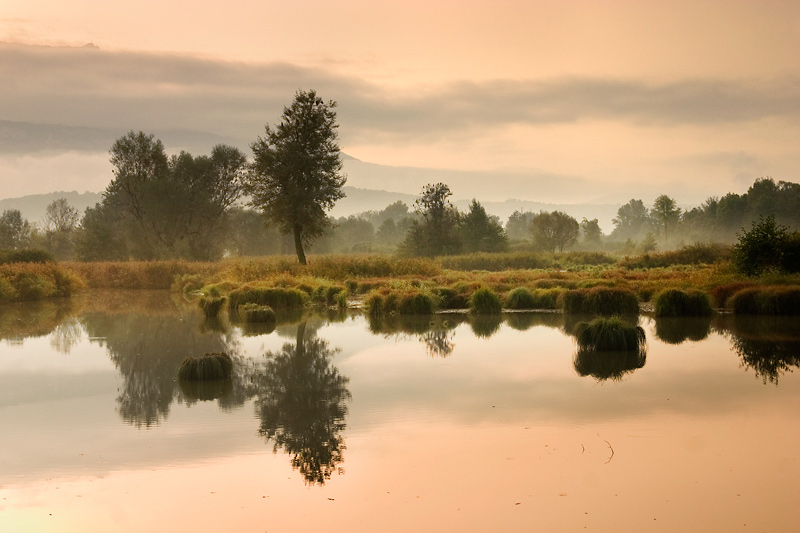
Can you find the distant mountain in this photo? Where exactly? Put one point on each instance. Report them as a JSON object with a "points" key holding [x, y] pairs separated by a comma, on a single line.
{"points": [[32, 207]]}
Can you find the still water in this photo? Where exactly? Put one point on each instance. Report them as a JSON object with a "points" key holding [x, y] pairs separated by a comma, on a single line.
{"points": [[445, 423]]}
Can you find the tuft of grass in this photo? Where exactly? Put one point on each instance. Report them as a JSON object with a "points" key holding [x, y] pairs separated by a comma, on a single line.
{"points": [[252, 312], [206, 366], [520, 298], [211, 305], [720, 294], [485, 301], [771, 300], [275, 297], [675, 302], [600, 301], [609, 334]]}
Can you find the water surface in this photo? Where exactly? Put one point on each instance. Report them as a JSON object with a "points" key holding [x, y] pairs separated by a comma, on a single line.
{"points": [[437, 423]]}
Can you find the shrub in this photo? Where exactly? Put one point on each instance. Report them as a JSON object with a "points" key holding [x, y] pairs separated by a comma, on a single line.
{"points": [[600, 301], [257, 313], [275, 297], [695, 254], [609, 334], [211, 305], [675, 302], [773, 300], [767, 246], [485, 301], [26, 255], [206, 366]]}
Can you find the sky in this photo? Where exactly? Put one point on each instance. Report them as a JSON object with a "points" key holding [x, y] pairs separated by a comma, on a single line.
{"points": [[621, 98]]}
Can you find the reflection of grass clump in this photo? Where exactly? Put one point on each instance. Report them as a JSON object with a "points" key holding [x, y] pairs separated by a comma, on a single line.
{"points": [[206, 366], [205, 390], [257, 313], [675, 330], [608, 365], [600, 301], [485, 301], [609, 334], [484, 326], [211, 305], [675, 302], [773, 300]]}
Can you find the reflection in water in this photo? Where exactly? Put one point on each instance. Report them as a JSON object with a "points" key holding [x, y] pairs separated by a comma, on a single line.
{"points": [[675, 330], [484, 326], [148, 350], [522, 321], [205, 390], [24, 320], [301, 401], [769, 345], [434, 331], [603, 365]]}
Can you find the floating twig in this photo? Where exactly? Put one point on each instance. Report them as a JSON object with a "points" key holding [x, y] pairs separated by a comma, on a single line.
{"points": [[612, 451]]}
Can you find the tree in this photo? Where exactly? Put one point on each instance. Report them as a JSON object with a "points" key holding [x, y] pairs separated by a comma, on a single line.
{"points": [[60, 224], [554, 230], [437, 231], [767, 246], [518, 225], [164, 207], [632, 218], [592, 234], [15, 231], [481, 232], [665, 213], [296, 174]]}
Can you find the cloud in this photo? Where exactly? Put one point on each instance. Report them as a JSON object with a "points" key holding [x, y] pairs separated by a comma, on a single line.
{"points": [[120, 91]]}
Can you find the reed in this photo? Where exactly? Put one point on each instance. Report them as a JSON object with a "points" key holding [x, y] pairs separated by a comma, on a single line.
{"points": [[485, 301], [205, 367], [675, 302], [609, 334], [771, 300], [600, 301]]}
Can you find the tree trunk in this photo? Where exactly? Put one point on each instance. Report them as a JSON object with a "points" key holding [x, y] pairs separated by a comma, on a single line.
{"points": [[298, 245]]}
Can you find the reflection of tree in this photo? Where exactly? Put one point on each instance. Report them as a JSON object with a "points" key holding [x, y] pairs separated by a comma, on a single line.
{"points": [[769, 345], [434, 331], [301, 401], [148, 350], [603, 365], [675, 330]]}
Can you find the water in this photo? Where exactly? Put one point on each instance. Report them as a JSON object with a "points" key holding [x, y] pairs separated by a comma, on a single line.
{"points": [[435, 424]]}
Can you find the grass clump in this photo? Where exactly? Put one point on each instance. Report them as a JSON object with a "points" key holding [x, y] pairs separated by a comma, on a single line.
{"points": [[275, 297], [522, 298], [402, 302], [609, 334], [600, 301], [206, 366], [771, 300], [675, 302], [485, 301], [252, 312], [211, 305], [720, 294]]}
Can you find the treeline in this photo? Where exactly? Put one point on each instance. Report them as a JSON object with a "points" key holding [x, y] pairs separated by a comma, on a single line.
{"points": [[194, 208]]}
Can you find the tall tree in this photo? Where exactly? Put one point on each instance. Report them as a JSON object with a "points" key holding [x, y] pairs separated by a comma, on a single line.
{"points": [[60, 224], [437, 230], [15, 231], [631, 220], [481, 232], [592, 234], [666, 214], [296, 174], [554, 230]]}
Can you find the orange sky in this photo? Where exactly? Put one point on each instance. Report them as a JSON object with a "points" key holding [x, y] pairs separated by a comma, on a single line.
{"points": [[700, 96]]}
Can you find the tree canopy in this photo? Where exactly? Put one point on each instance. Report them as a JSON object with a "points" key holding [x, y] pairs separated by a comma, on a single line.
{"points": [[296, 173], [554, 230]]}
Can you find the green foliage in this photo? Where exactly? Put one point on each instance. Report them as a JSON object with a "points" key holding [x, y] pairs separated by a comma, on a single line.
{"points": [[296, 171], [485, 301], [556, 230], [768, 246], [437, 231], [275, 297], [206, 367], [631, 222], [26, 255], [257, 313], [15, 231], [481, 232], [695, 254], [34, 281], [666, 214], [520, 298], [211, 305], [675, 302], [609, 334], [600, 301], [772, 300]]}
